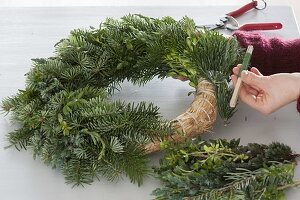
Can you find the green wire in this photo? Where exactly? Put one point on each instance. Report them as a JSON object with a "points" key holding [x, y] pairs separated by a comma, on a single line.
{"points": [[246, 59]]}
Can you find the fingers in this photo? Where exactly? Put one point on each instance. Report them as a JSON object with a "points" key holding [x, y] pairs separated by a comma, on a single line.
{"points": [[234, 79], [236, 70], [253, 87], [252, 79], [250, 99], [246, 87], [255, 71], [257, 102], [251, 90]]}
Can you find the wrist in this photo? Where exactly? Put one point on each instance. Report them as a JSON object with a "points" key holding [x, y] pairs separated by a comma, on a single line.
{"points": [[296, 79]]}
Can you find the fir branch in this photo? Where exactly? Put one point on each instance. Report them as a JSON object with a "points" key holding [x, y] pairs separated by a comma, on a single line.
{"points": [[224, 170], [257, 181]]}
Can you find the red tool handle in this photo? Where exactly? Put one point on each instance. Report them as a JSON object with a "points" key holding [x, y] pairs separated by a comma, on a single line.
{"points": [[243, 9], [260, 26]]}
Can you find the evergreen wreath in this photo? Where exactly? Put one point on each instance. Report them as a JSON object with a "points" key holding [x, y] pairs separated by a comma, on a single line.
{"points": [[66, 115]]}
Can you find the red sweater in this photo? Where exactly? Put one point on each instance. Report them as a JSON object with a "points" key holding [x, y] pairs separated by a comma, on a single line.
{"points": [[272, 55]]}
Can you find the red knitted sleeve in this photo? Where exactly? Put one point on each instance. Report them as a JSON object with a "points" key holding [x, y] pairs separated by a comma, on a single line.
{"points": [[272, 55]]}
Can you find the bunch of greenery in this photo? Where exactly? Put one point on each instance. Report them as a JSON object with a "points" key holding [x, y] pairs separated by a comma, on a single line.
{"points": [[65, 113], [224, 170]]}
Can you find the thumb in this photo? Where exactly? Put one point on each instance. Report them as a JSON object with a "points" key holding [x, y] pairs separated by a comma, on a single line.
{"points": [[251, 78]]}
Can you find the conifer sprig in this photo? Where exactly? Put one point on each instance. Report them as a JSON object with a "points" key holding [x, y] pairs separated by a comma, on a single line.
{"points": [[224, 170]]}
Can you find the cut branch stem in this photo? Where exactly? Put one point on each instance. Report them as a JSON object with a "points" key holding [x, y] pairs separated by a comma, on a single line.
{"points": [[295, 184]]}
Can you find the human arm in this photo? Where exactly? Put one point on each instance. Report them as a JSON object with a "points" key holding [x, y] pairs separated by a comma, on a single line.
{"points": [[267, 93]]}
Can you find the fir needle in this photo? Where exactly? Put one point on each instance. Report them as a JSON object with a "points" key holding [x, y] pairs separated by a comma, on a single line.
{"points": [[245, 64]]}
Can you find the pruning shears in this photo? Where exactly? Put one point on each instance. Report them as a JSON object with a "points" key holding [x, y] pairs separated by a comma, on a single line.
{"points": [[229, 21]]}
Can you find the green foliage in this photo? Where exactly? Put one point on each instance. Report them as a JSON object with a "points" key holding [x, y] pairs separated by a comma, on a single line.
{"points": [[65, 113], [211, 56], [224, 170], [83, 133]]}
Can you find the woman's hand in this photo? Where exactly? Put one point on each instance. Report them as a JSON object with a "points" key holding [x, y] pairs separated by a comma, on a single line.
{"points": [[267, 93]]}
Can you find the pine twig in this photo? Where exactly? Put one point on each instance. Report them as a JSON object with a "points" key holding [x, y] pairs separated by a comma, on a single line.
{"points": [[295, 184]]}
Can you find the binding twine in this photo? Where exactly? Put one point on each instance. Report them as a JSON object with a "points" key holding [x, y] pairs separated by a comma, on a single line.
{"points": [[197, 119]]}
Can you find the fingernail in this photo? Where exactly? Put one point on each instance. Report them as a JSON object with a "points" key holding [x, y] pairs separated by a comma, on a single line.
{"points": [[244, 73]]}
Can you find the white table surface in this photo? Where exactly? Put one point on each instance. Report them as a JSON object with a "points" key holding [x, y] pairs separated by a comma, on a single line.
{"points": [[27, 33]]}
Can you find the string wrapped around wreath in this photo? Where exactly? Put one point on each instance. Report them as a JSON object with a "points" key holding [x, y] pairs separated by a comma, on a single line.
{"points": [[65, 113], [197, 119]]}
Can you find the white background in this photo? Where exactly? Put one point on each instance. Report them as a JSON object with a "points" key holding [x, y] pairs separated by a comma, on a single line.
{"points": [[295, 4], [23, 178]]}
